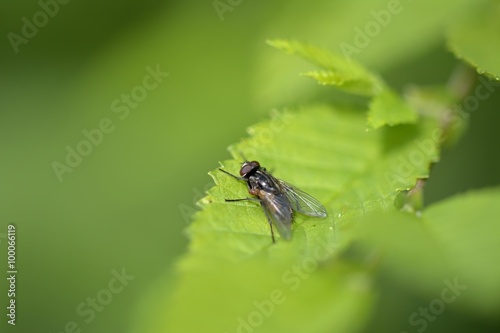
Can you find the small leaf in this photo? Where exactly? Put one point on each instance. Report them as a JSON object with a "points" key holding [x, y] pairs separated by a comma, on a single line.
{"points": [[477, 40], [387, 108], [339, 71]]}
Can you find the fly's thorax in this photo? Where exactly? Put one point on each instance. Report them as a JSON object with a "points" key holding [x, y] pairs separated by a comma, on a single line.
{"points": [[262, 181]]}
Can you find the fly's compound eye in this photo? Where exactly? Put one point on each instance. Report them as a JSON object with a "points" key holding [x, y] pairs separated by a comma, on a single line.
{"points": [[248, 167]]}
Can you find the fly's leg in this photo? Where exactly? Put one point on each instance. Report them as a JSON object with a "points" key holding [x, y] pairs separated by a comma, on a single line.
{"points": [[236, 177], [243, 199], [265, 212]]}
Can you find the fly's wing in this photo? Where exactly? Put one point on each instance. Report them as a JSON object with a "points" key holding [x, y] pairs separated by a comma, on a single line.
{"points": [[278, 212], [302, 202]]}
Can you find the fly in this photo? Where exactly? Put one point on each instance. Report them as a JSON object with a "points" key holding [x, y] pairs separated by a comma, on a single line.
{"points": [[278, 199]]}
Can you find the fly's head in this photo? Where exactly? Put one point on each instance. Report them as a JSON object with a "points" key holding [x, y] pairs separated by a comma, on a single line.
{"points": [[249, 168]]}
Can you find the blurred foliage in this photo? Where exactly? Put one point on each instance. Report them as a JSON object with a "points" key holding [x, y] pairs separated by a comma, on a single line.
{"points": [[479, 52], [126, 204]]}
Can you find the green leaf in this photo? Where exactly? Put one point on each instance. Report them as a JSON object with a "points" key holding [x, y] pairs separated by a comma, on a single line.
{"points": [[468, 231], [476, 41], [338, 71], [456, 239], [388, 108], [232, 264]]}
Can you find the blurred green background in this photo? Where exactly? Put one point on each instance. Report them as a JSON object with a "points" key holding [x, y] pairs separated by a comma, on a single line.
{"points": [[126, 204]]}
